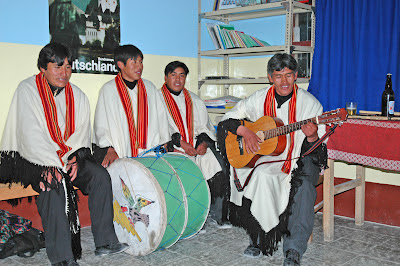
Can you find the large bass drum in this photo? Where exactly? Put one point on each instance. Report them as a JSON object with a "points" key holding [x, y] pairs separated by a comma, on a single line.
{"points": [[196, 189], [157, 201]]}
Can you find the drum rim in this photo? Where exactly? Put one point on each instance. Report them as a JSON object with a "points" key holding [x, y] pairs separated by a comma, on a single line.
{"points": [[163, 204]]}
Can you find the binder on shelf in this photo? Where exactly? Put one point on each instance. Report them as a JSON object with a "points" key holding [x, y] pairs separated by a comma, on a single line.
{"points": [[219, 36], [213, 35], [260, 42], [223, 29]]}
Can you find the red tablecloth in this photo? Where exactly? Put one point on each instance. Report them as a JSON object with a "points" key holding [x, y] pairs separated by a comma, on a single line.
{"points": [[367, 142]]}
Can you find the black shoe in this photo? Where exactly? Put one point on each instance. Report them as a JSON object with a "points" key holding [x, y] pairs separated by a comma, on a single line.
{"points": [[70, 262], [219, 223], [292, 258], [252, 252], [111, 249], [223, 224]]}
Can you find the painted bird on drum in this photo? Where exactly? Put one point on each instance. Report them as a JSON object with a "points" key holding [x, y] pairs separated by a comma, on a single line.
{"points": [[135, 205]]}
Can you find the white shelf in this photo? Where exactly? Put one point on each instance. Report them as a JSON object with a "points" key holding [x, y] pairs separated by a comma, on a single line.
{"points": [[286, 8], [217, 110], [256, 51], [243, 81], [255, 11]]}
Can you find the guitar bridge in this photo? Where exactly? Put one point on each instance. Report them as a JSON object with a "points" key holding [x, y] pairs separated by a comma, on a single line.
{"points": [[240, 143]]}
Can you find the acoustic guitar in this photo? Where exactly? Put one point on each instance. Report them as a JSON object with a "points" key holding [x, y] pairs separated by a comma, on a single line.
{"points": [[273, 133]]}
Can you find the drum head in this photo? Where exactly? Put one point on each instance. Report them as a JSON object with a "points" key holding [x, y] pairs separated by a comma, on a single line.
{"points": [[140, 217]]}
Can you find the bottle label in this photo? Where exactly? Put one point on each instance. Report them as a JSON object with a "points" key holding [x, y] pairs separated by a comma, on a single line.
{"points": [[391, 107]]}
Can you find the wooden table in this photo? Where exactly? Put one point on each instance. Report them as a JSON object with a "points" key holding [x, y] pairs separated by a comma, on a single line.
{"points": [[363, 141]]}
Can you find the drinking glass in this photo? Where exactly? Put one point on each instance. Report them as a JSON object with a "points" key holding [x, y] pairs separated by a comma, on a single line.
{"points": [[351, 108]]}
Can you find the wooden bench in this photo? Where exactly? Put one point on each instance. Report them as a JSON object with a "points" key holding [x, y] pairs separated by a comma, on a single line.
{"points": [[15, 191]]}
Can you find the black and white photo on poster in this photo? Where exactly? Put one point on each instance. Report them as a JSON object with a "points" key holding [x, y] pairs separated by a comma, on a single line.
{"points": [[90, 28]]}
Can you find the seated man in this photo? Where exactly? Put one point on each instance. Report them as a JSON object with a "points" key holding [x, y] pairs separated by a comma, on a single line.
{"points": [[46, 144], [276, 203], [194, 135], [130, 115]]}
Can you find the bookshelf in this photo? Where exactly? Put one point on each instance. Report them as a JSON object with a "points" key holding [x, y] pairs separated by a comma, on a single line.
{"points": [[285, 8]]}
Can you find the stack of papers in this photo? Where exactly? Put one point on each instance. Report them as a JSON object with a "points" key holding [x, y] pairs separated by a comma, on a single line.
{"points": [[215, 103], [222, 102]]}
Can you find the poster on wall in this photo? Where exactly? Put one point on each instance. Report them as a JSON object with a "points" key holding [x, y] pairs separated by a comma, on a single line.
{"points": [[91, 30]]}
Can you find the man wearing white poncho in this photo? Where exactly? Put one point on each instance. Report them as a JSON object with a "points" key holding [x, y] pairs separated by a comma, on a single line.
{"points": [[194, 135], [276, 203], [46, 144], [130, 115]]}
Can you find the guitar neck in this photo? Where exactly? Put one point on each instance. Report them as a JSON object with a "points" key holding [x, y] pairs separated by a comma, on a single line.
{"points": [[286, 129]]}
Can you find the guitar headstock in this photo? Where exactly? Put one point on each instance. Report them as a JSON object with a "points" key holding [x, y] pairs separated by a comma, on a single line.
{"points": [[333, 117]]}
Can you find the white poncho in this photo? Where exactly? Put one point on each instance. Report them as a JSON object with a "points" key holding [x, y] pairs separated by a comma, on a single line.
{"points": [[26, 129], [201, 124], [110, 122], [269, 187]]}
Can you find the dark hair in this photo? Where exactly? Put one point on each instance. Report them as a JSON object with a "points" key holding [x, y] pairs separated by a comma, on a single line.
{"points": [[125, 52], [54, 52], [280, 61], [174, 65]]}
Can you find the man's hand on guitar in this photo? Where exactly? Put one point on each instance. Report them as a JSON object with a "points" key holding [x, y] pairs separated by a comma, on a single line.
{"points": [[251, 141], [189, 149], [310, 130]]}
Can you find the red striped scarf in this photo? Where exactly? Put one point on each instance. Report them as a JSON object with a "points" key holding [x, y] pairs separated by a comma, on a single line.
{"points": [[50, 112], [270, 110], [176, 114], [138, 137]]}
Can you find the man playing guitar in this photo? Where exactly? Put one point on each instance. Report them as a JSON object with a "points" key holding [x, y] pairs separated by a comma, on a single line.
{"points": [[279, 198]]}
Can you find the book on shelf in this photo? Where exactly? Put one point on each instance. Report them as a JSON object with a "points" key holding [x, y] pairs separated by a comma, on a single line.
{"points": [[224, 36], [222, 29], [213, 34]]}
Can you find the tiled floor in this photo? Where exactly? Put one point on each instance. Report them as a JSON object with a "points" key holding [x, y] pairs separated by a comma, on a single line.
{"points": [[370, 244]]}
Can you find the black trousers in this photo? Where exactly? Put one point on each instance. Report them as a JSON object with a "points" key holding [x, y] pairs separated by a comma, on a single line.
{"points": [[219, 190], [301, 220], [92, 180]]}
